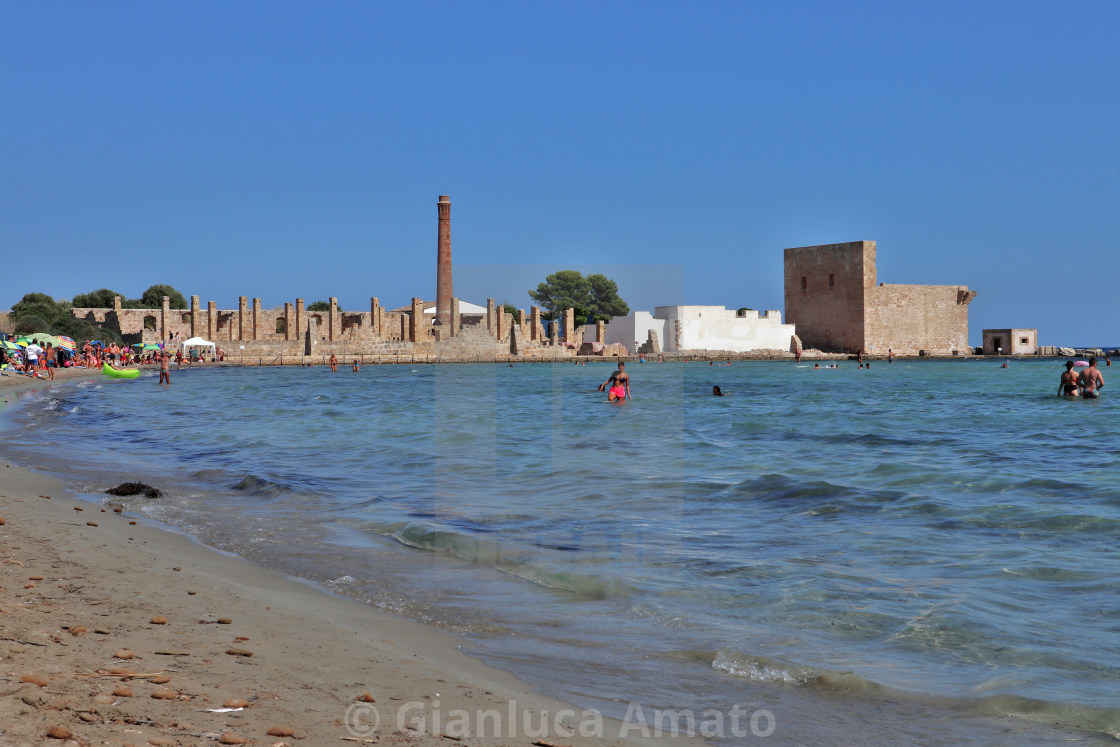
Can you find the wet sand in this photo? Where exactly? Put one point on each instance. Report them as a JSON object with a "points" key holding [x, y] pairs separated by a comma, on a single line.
{"points": [[116, 633]]}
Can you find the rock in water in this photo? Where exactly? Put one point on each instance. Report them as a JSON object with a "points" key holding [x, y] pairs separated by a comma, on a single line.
{"points": [[134, 488]]}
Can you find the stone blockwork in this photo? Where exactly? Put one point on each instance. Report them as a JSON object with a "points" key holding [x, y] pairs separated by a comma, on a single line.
{"points": [[832, 298], [284, 334]]}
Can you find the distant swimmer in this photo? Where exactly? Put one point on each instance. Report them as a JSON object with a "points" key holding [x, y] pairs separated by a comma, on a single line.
{"points": [[333, 362], [1068, 384], [1005, 365], [717, 392], [357, 366], [619, 383], [1091, 381], [816, 366]]}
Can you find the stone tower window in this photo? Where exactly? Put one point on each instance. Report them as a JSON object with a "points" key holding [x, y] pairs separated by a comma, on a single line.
{"points": [[150, 322], [831, 280], [804, 282], [185, 318], [281, 326]]}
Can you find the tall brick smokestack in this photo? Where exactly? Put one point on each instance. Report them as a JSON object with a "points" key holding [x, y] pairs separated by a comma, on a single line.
{"points": [[443, 264]]}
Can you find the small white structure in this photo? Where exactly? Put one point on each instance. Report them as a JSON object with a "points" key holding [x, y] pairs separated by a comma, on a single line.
{"points": [[198, 342], [702, 328]]}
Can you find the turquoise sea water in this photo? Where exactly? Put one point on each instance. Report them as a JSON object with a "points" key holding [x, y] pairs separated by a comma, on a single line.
{"points": [[853, 550]]}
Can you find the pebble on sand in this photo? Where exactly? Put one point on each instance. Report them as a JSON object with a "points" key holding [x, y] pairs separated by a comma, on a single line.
{"points": [[91, 523], [122, 691], [2, 522], [159, 620], [230, 738], [123, 653], [224, 621], [165, 693], [238, 652], [236, 703], [365, 698], [59, 732], [34, 679], [281, 731], [159, 679]]}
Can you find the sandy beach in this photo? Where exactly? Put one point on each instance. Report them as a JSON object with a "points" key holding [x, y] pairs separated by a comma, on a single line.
{"points": [[113, 632]]}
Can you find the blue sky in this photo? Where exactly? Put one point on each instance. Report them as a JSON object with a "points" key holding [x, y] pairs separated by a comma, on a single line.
{"points": [[281, 149]]}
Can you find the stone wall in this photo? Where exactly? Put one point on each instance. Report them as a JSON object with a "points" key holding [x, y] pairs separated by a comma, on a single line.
{"points": [[255, 335], [825, 287], [833, 300], [909, 319]]}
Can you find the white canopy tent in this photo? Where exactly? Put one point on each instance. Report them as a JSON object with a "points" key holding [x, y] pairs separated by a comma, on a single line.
{"points": [[198, 342]]}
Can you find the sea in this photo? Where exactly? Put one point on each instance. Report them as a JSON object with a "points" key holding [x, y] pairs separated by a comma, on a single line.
{"points": [[920, 552]]}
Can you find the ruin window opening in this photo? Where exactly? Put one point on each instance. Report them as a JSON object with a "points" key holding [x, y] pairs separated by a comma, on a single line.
{"points": [[804, 282], [1023, 341], [185, 318], [150, 323], [281, 326], [831, 280]]}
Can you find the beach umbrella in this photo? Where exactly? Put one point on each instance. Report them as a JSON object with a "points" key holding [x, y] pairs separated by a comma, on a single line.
{"points": [[9, 345], [67, 343], [97, 343], [152, 346]]}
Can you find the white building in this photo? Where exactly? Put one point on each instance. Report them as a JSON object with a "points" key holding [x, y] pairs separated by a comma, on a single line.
{"points": [[702, 328]]}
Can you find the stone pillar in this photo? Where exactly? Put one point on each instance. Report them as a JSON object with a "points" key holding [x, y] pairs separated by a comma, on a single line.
{"points": [[374, 317], [569, 325], [256, 319], [535, 323], [165, 314], [299, 319], [600, 331], [443, 263], [417, 329], [117, 308], [455, 317], [490, 315], [404, 328], [502, 322], [242, 312], [332, 319], [523, 323], [211, 321], [287, 321], [194, 316], [553, 333]]}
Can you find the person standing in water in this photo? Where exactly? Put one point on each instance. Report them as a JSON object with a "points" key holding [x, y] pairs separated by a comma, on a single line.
{"points": [[1091, 381], [333, 362], [165, 369], [1068, 384], [619, 384]]}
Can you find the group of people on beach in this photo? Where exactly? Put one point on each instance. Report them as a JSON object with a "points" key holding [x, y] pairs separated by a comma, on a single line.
{"points": [[1086, 383]]}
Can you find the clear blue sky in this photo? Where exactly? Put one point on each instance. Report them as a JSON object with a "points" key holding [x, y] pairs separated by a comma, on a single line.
{"points": [[281, 149]]}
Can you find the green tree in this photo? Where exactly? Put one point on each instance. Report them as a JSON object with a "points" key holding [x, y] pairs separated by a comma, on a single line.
{"points": [[153, 297], [512, 311], [593, 297], [39, 305], [605, 301], [98, 299], [319, 306], [565, 289]]}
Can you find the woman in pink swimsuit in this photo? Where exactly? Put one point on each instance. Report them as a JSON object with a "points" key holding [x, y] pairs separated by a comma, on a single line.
{"points": [[619, 383]]}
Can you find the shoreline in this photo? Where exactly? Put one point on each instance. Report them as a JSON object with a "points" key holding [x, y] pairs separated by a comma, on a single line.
{"points": [[82, 587], [291, 630]]}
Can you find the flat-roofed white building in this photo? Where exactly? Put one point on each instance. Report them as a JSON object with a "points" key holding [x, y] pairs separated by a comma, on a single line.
{"points": [[702, 328]]}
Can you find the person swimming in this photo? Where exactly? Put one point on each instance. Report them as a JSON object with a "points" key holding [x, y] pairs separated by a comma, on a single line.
{"points": [[717, 392], [1068, 384]]}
